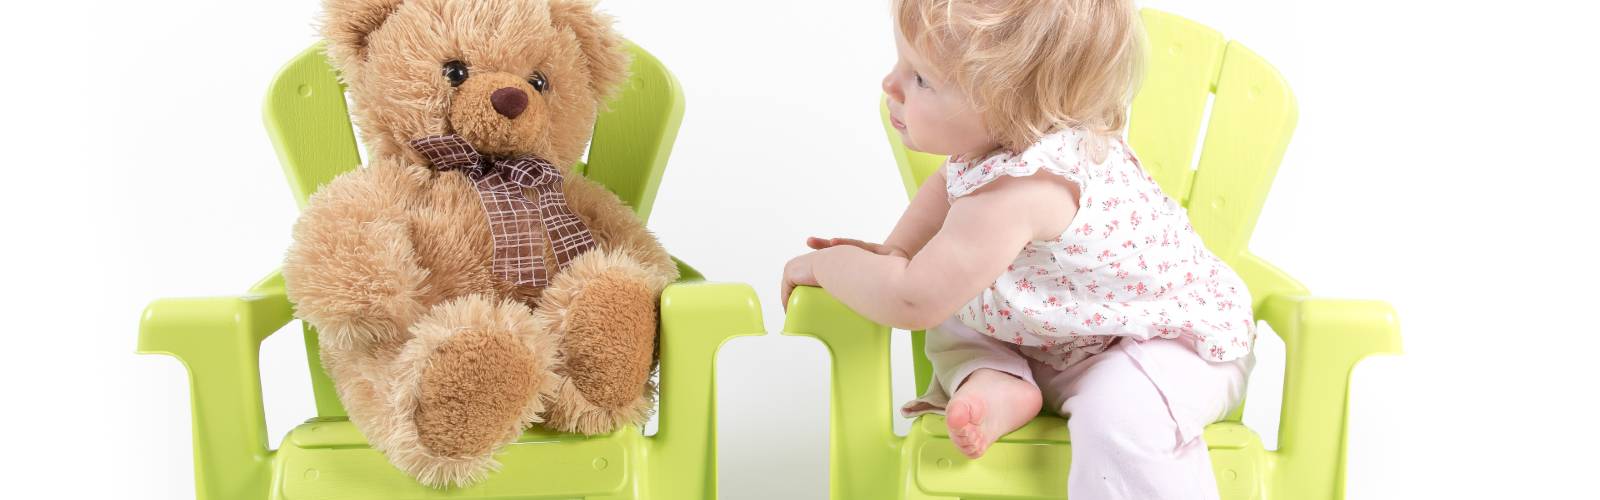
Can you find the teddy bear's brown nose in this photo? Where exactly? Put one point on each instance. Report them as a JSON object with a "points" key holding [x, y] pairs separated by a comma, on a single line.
{"points": [[509, 102]]}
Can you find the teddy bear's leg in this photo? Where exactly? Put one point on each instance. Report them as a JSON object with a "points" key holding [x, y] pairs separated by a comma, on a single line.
{"points": [[472, 377], [603, 309]]}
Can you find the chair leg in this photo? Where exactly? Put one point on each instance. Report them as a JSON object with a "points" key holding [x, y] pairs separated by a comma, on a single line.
{"points": [[864, 451], [696, 319]]}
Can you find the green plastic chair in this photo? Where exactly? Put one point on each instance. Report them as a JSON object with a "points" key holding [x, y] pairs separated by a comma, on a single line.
{"points": [[218, 339], [1252, 117]]}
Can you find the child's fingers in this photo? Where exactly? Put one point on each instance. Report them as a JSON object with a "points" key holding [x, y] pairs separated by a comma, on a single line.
{"points": [[788, 290], [870, 247], [796, 273], [783, 291], [819, 243], [876, 248]]}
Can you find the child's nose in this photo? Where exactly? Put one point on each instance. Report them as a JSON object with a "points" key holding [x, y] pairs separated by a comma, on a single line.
{"points": [[891, 88]]}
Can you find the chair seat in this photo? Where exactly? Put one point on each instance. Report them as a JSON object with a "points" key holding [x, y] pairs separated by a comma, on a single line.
{"points": [[1053, 430], [330, 458], [1032, 462]]}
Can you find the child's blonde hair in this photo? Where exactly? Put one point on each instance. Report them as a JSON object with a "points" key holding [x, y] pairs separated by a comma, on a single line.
{"points": [[1032, 67]]}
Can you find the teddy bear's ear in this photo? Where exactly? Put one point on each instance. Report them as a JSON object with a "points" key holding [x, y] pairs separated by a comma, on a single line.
{"points": [[346, 24], [601, 46]]}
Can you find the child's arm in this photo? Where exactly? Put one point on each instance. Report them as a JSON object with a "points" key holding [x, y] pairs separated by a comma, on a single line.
{"points": [[979, 237], [923, 218]]}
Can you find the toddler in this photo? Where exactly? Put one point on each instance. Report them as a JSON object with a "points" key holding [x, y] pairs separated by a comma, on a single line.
{"points": [[1048, 268]]}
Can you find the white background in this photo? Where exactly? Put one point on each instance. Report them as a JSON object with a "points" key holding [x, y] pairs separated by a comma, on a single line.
{"points": [[1441, 163]]}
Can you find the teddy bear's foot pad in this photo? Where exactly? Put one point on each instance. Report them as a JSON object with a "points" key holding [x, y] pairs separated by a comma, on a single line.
{"points": [[603, 309], [474, 393]]}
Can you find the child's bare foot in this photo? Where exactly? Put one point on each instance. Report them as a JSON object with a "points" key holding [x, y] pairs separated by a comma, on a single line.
{"points": [[989, 404]]}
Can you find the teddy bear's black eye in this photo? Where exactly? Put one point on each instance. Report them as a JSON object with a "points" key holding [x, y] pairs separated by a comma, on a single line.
{"points": [[538, 82], [456, 72]]}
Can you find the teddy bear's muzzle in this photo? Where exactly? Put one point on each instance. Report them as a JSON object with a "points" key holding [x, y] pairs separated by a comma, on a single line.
{"points": [[498, 113]]}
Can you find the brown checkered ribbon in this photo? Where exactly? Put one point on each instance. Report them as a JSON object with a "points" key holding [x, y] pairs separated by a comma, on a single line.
{"points": [[514, 219]]}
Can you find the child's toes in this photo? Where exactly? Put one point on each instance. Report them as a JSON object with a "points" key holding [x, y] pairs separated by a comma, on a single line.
{"points": [[956, 416], [964, 419], [964, 414], [973, 449]]}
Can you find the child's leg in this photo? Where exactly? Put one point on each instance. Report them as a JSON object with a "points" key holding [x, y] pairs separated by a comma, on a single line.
{"points": [[1136, 414], [988, 405], [995, 393]]}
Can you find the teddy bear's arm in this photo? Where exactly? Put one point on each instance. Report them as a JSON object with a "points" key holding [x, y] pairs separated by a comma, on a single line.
{"points": [[351, 270]]}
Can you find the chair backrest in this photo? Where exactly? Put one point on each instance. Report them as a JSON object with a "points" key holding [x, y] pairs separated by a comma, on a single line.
{"points": [[310, 128], [1252, 115]]}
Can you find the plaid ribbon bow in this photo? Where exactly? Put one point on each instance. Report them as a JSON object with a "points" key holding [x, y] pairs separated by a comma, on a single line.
{"points": [[514, 219]]}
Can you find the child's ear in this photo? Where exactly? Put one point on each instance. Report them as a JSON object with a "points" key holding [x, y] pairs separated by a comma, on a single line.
{"points": [[346, 24], [601, 46]]}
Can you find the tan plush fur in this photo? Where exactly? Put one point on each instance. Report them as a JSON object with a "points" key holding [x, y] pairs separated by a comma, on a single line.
{"points": [[438, 360], [597, 291]]}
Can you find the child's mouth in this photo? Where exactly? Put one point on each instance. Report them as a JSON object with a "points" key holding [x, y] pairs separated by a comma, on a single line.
{"points": [[898, 125]]}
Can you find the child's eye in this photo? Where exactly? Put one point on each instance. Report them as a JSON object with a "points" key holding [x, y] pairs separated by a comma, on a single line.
{"points": [[921, 83]]}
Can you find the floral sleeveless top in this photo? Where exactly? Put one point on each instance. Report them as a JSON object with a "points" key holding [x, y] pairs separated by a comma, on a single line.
{"points": [[1129, 265]]}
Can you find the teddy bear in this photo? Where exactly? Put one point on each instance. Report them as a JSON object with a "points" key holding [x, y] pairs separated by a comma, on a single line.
{"points": [[466, 283]]}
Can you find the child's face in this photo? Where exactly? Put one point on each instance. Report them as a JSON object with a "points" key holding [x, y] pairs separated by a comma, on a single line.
{"points": [[932, 116]]}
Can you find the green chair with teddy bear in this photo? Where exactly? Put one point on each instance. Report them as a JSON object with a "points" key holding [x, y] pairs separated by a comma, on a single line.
{"points": [[218, 339], [1252, 116]]}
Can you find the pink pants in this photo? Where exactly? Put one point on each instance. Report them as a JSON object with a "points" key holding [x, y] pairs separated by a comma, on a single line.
{"points": [[1136, 411]]}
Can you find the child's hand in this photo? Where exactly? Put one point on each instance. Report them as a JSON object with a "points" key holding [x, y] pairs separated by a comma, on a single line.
{"points": [[880, 249], [797, 273]]}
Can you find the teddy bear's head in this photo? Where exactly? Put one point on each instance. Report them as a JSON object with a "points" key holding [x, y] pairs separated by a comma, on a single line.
{"points": [[512, 77]]}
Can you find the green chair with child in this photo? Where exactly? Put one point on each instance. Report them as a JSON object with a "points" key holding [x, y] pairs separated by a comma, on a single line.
{"points": [[1196, 81]]}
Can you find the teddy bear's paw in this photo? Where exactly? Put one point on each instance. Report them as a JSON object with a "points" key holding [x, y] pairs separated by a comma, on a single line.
{"points": [[474, 375], [603, 308], [355, 278], [474, 393], [482, 384]]}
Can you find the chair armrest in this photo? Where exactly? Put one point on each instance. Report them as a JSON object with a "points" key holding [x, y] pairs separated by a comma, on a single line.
{"points": [[863, 446], [686, 272], [1323, 340], [696, 319], [218, 340]]}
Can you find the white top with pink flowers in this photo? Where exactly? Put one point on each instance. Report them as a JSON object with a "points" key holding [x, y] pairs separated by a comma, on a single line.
{"points": [[1129, 265]]}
